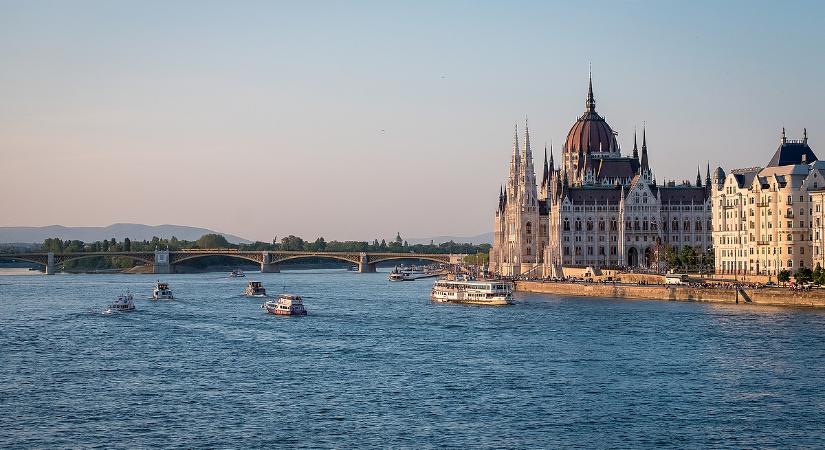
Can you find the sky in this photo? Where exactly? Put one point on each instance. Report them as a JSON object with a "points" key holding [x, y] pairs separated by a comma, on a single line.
{"points": [[357, 120]]}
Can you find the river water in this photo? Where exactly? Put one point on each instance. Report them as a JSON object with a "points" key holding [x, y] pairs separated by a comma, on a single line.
{"points": [[375, 364]]}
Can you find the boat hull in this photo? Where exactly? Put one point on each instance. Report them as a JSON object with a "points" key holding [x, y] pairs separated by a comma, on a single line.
{"points": [[490, 302], [281, 312]]}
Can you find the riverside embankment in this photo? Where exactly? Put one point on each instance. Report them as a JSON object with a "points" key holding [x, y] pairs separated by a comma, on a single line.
{"points": [[761, 296]]}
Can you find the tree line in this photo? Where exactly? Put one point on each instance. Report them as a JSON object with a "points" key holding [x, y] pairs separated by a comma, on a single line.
{"points": [[217, 241]]}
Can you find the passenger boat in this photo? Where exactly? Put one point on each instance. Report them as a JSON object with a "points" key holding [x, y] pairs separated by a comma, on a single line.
{"points": [[237, 273], [397, 275], [162, 292], [493, 293], [286, 305], [123, 303], [254, 289]]}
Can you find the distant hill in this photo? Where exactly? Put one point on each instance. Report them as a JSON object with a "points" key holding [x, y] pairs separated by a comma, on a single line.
{"points": [[486, 238], [134, 231]]}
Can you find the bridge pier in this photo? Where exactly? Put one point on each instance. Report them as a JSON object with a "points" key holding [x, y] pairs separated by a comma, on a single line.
{"points": [[270, 268], [50, 267], [162, 263], [364, 266]]}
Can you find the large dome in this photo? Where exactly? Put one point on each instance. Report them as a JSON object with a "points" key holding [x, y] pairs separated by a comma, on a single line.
{"points": [[590, 133]]}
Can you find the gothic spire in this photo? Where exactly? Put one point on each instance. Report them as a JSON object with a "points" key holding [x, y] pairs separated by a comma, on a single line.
{"points": [[644, 164], [635, 146], [707, 176], [552, 165], [698, 177], [804, 135], [783, 135], [545, 173], [591, 102]]}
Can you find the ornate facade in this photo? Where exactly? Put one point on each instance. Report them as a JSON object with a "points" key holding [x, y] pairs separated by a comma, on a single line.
{"points": [[770, 219], [598, 208]]}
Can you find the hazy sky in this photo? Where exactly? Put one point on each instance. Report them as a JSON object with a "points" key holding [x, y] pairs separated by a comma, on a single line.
{"points": [[358, 120]]}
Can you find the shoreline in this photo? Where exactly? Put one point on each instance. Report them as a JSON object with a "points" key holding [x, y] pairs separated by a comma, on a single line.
{"points": [[751, 296]]}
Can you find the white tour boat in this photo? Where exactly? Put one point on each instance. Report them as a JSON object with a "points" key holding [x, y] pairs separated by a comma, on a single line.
{"points": [[123, 303], [286, 305], [494, 293], [162, 292], [398, 275], [236, 273], [254, 289]]}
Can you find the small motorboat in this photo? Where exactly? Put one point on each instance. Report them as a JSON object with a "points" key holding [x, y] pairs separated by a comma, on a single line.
{"points": [[286, 305], [237, 273], [162, 292], [254, 289], [123, 303]]}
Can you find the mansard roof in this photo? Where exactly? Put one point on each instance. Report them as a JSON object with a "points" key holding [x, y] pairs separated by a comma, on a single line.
{"points": [[682, 194], [792, 152], [595, 194], [624, 167]]}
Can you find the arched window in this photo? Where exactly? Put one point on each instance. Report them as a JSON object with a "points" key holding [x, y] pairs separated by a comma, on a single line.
{"points": [[613, 225], [686, 226], [601, 224], [644, 225], [578, 225], [589, 225], [529, 228], [675, 225], [566, 225], [698, 225], [636, 224]]}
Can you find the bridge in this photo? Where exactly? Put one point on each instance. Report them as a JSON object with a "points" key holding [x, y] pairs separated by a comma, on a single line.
{"points": [[163, 261]]}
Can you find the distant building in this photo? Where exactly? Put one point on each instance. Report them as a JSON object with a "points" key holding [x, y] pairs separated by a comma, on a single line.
{"points": [[599, 208], [769, 219]]}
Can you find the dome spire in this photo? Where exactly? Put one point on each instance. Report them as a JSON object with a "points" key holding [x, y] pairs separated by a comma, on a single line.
{"points": [[591, 102]]}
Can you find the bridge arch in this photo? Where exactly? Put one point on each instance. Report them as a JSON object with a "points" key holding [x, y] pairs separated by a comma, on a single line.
{"points": [[277, 259], [35, 260], [437, 258], [252, 258], [62, 261]]}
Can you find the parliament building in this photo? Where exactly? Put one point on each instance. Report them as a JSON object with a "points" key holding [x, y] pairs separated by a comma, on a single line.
{"points": [[598, 208]]}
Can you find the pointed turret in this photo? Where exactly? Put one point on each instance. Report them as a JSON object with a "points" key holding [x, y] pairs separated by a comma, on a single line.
{"points": [[644, 167], [545, 173], [783, 139], [552, 164], [527, 176], [707, 176], [804, 135], [635, 146], [515, 164], [698, 177]]}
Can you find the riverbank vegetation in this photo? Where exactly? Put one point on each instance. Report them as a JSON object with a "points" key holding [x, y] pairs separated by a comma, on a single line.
{"points": [[217, 241]]}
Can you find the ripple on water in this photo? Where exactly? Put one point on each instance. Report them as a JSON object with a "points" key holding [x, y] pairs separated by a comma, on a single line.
{"points": [[376, 364]]}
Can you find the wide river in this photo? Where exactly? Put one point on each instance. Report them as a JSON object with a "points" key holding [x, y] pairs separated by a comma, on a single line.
{"points": [[375, 364]]}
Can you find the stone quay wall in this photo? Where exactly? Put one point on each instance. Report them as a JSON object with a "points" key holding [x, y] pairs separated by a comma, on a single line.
{"points": [[764, 296]]}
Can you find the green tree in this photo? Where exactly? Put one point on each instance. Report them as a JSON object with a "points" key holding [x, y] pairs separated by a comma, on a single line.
{"points": [[127, 245], [672, 257], [784, 276], [212, 240], [292, 243], [803, 275]]}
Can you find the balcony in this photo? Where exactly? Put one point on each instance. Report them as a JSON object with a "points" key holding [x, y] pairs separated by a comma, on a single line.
{"points": [[762, 204], [763, 243]]}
